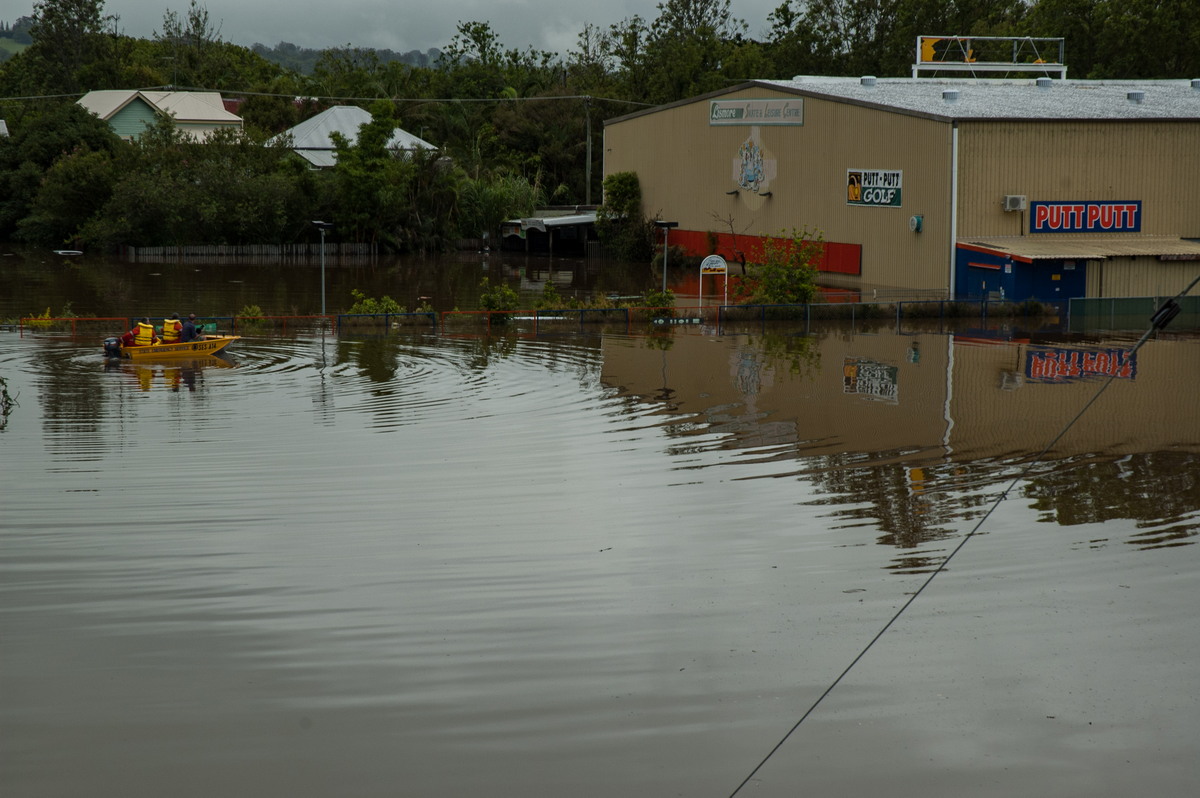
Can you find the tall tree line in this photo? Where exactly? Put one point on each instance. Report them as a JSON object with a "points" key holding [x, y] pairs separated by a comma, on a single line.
{"points": [[514, 124]]}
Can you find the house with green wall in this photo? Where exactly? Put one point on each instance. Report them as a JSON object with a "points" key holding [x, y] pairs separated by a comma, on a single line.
{"points": [[129, 112]]}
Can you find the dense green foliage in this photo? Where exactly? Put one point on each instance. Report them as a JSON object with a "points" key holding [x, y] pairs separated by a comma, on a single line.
{"points": [[514, 128], [788, 272], [620, 223]]}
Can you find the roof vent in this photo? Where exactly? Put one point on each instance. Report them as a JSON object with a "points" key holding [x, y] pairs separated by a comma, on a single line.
{"points": [[950, 95], [1044, 83], [867, 80], [1135, 97], [1195, 84]]}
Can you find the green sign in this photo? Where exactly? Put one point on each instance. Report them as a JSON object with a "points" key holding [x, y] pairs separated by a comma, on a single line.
{"points": [[881, 188]]}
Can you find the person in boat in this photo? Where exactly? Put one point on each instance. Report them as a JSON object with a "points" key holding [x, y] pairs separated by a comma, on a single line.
{"points": [[171, 328], [191, 331], [143, 333]]}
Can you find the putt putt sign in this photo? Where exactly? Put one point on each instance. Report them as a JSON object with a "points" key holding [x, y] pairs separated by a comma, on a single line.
{"points": [[880, 188]]}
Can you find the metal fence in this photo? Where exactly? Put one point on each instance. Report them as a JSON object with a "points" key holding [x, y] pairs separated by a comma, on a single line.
{"points": [[1129, 313]]}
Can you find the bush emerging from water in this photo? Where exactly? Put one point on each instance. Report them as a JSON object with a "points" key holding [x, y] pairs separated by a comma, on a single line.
{"points": [[370, 306]]}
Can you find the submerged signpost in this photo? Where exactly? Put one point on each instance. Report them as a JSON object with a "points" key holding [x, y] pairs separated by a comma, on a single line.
{"points": [[714, 264]]}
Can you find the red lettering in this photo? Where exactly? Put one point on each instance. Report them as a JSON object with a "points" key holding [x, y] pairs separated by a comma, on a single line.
{"points": [[1126, 366], [1040, 216], [1093, 215]]}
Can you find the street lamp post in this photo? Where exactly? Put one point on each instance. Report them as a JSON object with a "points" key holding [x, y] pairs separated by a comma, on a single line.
{"points": [[323, 226], [666, 228]]}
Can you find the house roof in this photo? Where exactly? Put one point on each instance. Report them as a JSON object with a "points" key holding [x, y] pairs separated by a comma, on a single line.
{"points": [[953, 99], [313, 140], [183, 106], [3, 128]]}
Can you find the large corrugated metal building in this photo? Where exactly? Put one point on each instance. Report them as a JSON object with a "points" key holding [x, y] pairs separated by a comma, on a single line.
{"points": [[961, 188]]}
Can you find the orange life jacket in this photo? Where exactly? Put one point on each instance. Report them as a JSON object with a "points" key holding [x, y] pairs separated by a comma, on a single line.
{"points": [[171, 330], [145, 334]]}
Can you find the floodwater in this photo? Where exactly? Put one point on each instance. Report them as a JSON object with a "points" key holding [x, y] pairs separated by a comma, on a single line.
{"points": [[595, 562]]}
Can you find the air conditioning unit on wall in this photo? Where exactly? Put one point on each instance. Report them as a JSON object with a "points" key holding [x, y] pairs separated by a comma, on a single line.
{"points": [[1015, 202]]}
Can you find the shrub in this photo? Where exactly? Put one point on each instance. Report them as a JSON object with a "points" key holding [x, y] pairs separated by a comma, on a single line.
{"points": [[787, 274], [368, 306], [498, 297]]}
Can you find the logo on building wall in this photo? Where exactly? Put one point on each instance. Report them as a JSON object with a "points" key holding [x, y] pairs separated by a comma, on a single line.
{"points": [[1085, 217], [753, 168], [881, 188]]}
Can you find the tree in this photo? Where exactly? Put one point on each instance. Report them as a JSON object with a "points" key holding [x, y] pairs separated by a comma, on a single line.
{"points": [[33, 147], [787, 274], [72, 45], [620, 225]]}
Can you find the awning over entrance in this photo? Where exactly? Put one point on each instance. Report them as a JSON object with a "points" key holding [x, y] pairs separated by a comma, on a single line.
{"points": [[550, 231], [1028, 249]]}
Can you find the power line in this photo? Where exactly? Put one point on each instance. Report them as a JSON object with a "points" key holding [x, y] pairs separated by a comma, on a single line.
{"points": [[1167, 311]]}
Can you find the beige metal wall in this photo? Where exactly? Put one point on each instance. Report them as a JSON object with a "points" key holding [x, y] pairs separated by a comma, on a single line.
{"points": [[686, 167], [1155, 162], [1123, 277]]}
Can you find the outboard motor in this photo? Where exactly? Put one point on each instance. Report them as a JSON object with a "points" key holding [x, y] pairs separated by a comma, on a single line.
{"points": [[112, 347]]}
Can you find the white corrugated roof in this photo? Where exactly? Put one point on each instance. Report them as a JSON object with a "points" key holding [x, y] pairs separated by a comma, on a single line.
{"points": [[313, 138], [192, 106], [184, 106], [1009, 99]]}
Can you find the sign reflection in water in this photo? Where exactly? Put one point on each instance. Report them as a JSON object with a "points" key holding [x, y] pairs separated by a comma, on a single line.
{"points": [[596, 564]]}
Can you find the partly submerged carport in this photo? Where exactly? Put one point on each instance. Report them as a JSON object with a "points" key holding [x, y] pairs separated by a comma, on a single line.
{"points": [[553, 231], [1020, 267]]}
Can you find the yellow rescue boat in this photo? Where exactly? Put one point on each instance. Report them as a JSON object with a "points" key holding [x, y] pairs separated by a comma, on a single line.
{"points": [[208, 345]]}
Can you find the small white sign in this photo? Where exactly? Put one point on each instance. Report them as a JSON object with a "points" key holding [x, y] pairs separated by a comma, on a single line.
{"points": [[713, 264]]}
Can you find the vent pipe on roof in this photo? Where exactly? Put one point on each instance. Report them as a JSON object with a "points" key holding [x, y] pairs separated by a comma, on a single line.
{"points": [[1044, 83], [950, 95], [867, 80], [1195, 84], [1135, 97]]}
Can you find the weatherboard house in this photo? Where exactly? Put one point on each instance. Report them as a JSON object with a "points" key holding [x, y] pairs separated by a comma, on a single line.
{"points": [[1030, 188], [129, 112], [312, 139]]}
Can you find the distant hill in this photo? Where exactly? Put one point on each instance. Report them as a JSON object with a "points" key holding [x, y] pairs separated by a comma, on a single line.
{"points": [[302, 59], [14, 37]]}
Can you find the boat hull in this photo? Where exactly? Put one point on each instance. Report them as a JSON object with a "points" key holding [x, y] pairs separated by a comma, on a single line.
{"points": [[211, 345]]}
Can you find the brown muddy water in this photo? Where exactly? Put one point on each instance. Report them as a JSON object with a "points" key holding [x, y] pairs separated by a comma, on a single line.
{"points": [[616, 561]]}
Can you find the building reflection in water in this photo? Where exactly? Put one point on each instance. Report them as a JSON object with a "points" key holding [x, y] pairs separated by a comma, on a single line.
{"points": [[915, 433]]}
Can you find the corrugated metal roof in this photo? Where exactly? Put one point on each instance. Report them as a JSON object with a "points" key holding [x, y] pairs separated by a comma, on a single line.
{"points": [[1031, 248], [1008, 99], [313, 138], [192, 106], [184, 106], [547, 219]]}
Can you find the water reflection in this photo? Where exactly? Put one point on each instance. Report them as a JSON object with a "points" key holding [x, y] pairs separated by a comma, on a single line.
{"points": [[914, 433], [593, 564], [173, 374]]}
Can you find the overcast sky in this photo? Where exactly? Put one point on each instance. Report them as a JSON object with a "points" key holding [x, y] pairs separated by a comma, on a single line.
{"points": [[399, 25]]}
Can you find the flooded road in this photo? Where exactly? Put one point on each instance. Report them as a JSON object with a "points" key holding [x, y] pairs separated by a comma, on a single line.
{"points": [[610, 562]]}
